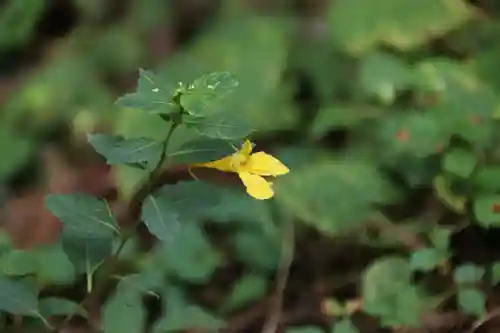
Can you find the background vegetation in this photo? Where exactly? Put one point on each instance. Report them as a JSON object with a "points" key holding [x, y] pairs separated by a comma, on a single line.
{"points": [[385, 111]]}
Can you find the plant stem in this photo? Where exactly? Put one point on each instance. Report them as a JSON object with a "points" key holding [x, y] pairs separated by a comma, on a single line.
{"points": [[112, 262]]}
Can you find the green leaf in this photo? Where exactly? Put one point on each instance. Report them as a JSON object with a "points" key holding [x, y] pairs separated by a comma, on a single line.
{"points": [[17, 298], [182, 315], [257, 249], [250, 287], [160, 217], [411, 133], [361, 24], [82, 215], [486, 210], [124, 313], [427, 259], [15, 150], [202, 150], [345, 326], [118, 150], [86, 254], [487, 179], [383, 75], [224, 125], [167, 208], [153, 95], [54, 306], [442, 188], [472, 301], [495, 273], [146, 281], [334, 195], [204, 96], [18, 262], [468, 274], [459, 162], [53, 265], [189, 255], [440, 237]]}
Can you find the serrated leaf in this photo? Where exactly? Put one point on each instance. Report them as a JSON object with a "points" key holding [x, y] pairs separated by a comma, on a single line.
{"points": [[468, 274], [334, 195], [183, 315], [124, 313], [345, 326], [152, 95], [487, 210], [118, 150], [360, 24], [202, 150], [54, 306], [82, 215], [204, 95], [427, 259], [224, 125], [17, 298], [459, 162], [472, 301]]}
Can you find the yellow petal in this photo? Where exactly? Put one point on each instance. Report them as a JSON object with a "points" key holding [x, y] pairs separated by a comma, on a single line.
{"points": [[224, 164], [257, 187], [265, 165], [246, 148]]}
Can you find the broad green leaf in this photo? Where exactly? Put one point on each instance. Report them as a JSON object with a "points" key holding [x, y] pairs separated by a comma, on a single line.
{"points": [[250, 287], [344, 326], [124, 313], [167, 208], [189, 255], [54, 306], [53, 265], [224, 125], [146, 281], [487, 179], [413, 133], [338, 117], [361, 24], [17, 297], [487, 210], [384, 75], [18, 262], [160, 217], [382, 281], [183, 315], [334, 195], [201, 150], [495, 273], [118, 150], [472, 301], [427, 259], [440, 237], [468, 274], [204, 96], [459, 162], [86, 254], [153, 95], [82, 215], [442, 188]]}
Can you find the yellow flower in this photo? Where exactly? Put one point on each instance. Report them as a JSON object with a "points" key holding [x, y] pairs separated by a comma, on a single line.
{"points": [[250, 168]]}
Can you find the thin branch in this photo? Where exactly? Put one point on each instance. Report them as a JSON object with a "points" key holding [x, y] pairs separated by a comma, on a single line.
{"points": [[287, 255]]}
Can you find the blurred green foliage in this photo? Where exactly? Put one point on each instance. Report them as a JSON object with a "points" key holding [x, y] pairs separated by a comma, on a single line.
{"points": [[411, 88]]}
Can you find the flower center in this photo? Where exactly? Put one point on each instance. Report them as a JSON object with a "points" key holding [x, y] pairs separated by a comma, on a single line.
{"points": [[239, 160]]}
